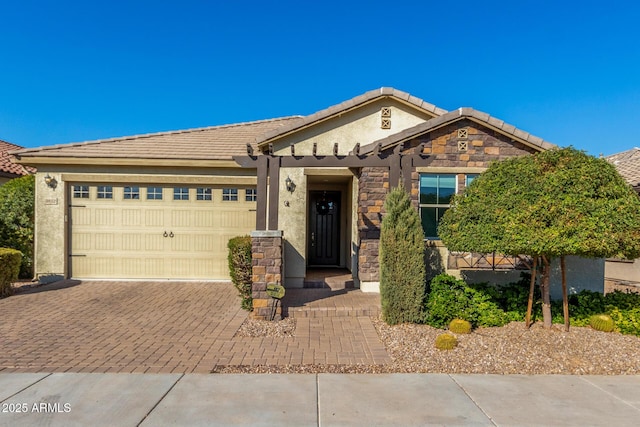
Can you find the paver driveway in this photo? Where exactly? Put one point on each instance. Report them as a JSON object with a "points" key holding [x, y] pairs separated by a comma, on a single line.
{"points": [[103, 326]]}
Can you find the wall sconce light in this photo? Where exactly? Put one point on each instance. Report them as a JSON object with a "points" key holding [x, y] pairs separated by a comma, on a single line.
{"points": [[291, 186], [50, 181]]}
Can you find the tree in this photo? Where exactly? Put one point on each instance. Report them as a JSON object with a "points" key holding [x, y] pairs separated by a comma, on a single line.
{"points": [[402, 268], [549, 205], [16, 219]]}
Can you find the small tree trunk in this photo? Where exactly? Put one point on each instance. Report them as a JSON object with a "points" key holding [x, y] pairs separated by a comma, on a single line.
{"points": [[534, 270], [544, 289], [565, 300]]}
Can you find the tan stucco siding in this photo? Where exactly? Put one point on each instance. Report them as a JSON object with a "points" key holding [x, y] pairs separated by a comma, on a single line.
{"points": [[362, 126]]}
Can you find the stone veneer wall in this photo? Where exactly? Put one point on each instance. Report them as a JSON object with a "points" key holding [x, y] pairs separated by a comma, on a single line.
{"points": [[267, 263], [483, 147], [373, 187]]}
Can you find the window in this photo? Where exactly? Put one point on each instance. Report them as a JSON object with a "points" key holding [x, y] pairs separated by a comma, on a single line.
{"points": [[131, 193], [230, 194], [251, 195], [80, 191], [181, 193], [436, 191], [154, 193], [203, 194], [469, 179], [105, 192]]}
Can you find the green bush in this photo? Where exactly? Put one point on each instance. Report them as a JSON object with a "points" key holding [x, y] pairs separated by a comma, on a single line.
{"points": [[16, 220], [10, 260], [627, 321], [240, 268], [402, 267], [451, 298]]}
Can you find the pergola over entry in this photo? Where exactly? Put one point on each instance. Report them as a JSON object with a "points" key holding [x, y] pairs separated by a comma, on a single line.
{"points": [[399, 164]]}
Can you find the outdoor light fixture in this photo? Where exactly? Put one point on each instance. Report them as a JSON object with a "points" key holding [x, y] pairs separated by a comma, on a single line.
{"points": [[290, 185], [50, 181]]}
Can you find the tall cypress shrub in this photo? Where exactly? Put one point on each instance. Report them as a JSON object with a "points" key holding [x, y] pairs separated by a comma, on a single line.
{"points": [[402, 269]]}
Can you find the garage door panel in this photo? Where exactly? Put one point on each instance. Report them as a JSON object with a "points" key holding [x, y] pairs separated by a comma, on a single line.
{"points": [[125, 238]]}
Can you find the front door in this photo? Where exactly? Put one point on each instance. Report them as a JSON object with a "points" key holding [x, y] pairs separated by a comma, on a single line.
{"points": [[324, 228]]}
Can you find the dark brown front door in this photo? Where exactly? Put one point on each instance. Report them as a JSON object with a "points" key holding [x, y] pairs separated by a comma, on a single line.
{"points": [[324, 228]]}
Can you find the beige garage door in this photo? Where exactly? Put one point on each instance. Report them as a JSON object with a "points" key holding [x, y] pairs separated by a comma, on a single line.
{"points": [[156, 232]]}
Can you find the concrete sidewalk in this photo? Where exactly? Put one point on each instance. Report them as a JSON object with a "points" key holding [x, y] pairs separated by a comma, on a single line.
{"points": [[78, 399]]}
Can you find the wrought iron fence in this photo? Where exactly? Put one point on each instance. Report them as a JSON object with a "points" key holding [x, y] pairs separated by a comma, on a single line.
{"points": [[491, 261]]}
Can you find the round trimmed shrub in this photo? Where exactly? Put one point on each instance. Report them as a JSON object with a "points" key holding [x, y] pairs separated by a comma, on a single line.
{"points": [[460, 326], [602, 322], [446, 342]]}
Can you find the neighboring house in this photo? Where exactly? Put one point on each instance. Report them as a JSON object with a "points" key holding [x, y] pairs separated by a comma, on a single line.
{"points": [[309, 189], [620, 271], [8, 169]]}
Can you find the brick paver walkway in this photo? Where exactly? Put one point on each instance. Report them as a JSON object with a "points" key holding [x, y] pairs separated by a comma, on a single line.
{"points": [[164, 327]]}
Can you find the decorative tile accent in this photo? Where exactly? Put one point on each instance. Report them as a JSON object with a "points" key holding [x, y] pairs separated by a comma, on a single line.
{"points": [[386, 124], [463, 145], [385, 112], [463, 133]]}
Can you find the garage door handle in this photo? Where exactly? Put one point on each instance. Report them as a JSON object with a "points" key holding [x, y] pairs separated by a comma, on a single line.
{"points": [[165, 234], [171, 234]]}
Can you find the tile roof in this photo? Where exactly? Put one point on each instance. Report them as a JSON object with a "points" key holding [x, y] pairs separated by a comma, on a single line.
{"points": [[348, 105], [628, 165], [209, 143], [7, 167], [460, 113]]}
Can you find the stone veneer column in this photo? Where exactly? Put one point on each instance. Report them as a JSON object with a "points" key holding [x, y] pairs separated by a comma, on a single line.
{"points": [[267, 253]]}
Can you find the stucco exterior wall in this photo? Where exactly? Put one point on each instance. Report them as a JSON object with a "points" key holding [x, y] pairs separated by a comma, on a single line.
{"points": [[292, 220], [362, 125], [622, 271]]}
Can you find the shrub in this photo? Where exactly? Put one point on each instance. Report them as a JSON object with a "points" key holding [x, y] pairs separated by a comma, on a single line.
{"points": [[10, 260], [16, 220], [601, 322], [240, 268], [451, 298], [446, 342], [402, 268], [459, 326], [626, 321]]}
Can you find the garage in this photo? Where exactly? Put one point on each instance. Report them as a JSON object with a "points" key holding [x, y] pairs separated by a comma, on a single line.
{"points": [[149, 231]]}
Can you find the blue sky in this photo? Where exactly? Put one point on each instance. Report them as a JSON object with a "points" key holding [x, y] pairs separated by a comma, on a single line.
{"points": [[568, 72]]}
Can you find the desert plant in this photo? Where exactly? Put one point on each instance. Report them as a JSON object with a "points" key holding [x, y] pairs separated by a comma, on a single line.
{"points": [[9, 267], [446, 342], [460, 326], [240, 268], [402, 268], [602, 322]]}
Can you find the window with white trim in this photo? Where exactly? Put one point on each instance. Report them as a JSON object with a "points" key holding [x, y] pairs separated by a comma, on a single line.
{"points": [[436, 191], [154, 193], [131, 193], [80, 191], [469, 179], [230, 194], [105, 192], [181, 193], [250, 195], [203, 194]]}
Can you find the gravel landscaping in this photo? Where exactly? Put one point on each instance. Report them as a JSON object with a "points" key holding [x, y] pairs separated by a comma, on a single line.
{"points": [[510, 349]]}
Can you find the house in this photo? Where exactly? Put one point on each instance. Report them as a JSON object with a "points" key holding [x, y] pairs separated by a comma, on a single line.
{"points": [[8, 169], [309, 190], [622, 273]]}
